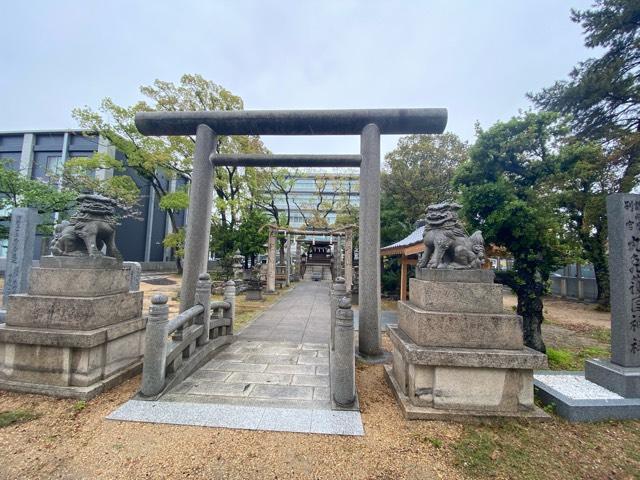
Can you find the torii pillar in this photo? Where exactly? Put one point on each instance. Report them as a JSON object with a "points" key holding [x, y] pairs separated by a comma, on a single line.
{"points": [[271, 261], [369, 330]]}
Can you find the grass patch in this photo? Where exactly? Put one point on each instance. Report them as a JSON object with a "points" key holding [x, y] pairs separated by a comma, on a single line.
{"points": [[15, 416], [247, 311], [602, 335], [554, 449], [566, 359]]}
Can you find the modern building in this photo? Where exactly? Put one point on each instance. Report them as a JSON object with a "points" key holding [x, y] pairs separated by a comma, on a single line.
{"points": [[37, 153], [335, 191]]}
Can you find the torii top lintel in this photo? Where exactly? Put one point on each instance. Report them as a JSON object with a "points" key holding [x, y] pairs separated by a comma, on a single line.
{"points": [[400, 121]]}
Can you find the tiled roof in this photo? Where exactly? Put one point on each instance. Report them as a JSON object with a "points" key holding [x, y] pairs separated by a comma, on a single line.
{"points": [[411, 239]]}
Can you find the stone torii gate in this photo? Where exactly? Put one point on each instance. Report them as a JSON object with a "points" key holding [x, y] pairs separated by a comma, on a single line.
{"points": [[274, 230], [368, 123]]}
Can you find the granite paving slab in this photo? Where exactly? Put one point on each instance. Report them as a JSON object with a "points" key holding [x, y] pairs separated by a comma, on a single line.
{"points": [[241, 417]]}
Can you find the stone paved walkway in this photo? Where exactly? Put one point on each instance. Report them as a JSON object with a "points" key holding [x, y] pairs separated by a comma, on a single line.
{"points": [[280, 359], [275, 376]]}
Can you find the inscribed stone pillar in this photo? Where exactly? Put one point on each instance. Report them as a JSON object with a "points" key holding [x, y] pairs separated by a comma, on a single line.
{"points": [[623, 217], [622, 373], [271, 261], [369, 269], [22, 235], [199, 221], [348, 256]]}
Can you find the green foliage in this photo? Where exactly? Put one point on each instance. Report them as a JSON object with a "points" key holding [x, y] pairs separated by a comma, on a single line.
{"points": [[505, 193], [11, 417], [566, 359], [560, 359], [252, 234], [223, 239], [158, 159], [79, 406], [435, 442], [178, 200], [418, 172], [176, 241], [95, 175], [390, 277], [394, 221], [602, 101], [603, 94], [16, 190]]}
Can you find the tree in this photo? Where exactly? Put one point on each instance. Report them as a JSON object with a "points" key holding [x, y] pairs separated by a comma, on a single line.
{"points": [[504, 191], [252, 234], [326, 198], [394, 226], [83, 174], [419, 170], [602, 96], [16, 190], [160, 159], [585, 177], [270, 188], [602, 100]]}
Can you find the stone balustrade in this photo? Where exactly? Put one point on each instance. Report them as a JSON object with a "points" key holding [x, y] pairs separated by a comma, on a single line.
{"points": [[176, 347], [341, 350]]}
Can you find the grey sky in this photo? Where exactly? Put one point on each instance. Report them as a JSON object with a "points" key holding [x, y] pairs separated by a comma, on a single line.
{"points": [[476, 58]]}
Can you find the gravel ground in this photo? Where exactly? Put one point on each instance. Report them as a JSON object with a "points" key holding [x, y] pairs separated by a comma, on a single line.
{"points": [[568, 312], [66, 443], [72, 440]]}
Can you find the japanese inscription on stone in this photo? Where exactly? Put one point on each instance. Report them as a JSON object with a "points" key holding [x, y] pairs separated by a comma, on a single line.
{"points": [[20, 251], [623, 211]]}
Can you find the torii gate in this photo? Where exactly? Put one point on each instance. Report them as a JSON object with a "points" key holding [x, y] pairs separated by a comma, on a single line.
{"points": [[345, 231], [369, 124]]}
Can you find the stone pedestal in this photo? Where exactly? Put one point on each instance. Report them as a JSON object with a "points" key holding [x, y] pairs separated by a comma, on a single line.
{"points": [[456, 353], [78, 330]]}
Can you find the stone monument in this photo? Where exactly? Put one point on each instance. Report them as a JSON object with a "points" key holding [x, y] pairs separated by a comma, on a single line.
{"points": [[238, 268], [254, 286], [22, 234], [609, 389], [456, 353], [79, 329]]}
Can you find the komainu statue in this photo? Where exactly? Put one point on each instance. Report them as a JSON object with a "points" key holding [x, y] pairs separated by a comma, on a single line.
{"points": [[446, 243], [90, 229]]}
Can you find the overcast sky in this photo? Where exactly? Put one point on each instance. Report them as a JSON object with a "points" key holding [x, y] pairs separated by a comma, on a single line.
{"points": [[476, 58]]}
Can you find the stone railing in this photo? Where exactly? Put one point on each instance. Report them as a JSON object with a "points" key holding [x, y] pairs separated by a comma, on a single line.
{"points": [[176, 347], [341, 349]]}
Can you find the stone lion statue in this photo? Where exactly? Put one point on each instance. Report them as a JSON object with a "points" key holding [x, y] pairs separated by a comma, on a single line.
{"points": [[89, 230], [446, 243]]}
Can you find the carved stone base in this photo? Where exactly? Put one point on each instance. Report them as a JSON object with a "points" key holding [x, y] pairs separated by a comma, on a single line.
{"points": [[413, 412], [441, 329], [464, 380], [72, 313], [459, 297], [41, 360], [77, 332]]}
